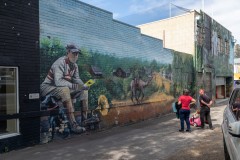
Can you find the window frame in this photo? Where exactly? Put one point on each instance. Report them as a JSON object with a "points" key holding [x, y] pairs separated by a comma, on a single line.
{"points": [[6, 135], [226, 47], [219, 45], [232, 100]]}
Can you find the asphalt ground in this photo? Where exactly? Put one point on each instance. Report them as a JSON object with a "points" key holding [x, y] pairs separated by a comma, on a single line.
{"points": [[153, 139]]}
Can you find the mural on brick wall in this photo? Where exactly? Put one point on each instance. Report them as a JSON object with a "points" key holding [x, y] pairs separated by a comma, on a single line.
{"points": [[115, 82], [87, 77]]}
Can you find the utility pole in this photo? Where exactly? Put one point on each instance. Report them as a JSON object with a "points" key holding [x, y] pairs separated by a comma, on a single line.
{"points": [[170, 10], [203, 5]]}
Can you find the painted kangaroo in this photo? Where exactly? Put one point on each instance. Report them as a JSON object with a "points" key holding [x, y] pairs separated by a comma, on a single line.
{"points": [[137, 89]]}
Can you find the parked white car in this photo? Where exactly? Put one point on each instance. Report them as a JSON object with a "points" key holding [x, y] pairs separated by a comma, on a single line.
{"points": [[231, 127]]}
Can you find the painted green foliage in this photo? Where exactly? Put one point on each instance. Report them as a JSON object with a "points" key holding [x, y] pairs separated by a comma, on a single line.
{"points": [[180, 72], [113, 87]]}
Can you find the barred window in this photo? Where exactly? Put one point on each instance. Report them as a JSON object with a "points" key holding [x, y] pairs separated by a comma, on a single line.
{"points": [[226, 47], [220, 45]]}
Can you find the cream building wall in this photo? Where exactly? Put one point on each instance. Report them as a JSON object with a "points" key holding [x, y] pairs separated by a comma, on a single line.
{"points": [[177, 32]]}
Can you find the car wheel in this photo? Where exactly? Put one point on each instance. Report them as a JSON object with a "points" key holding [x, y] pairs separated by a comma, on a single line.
{"points": [[226, 154]]}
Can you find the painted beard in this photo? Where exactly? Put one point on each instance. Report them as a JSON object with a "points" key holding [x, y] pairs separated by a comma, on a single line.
{"points": [[73, 60]]}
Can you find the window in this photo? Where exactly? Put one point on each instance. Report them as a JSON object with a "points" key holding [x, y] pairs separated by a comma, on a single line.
{"points": [[226, 47], [219, 45], [8, 100], [199, 36], [222, 47], [235, 104], [207, 38]]}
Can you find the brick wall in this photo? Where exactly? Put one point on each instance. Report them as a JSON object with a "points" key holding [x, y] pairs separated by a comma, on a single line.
{"points": [[95, 29], [19, 47]]}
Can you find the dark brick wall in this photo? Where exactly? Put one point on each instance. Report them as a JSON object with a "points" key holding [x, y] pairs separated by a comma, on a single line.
{"points": [[19, 46]]}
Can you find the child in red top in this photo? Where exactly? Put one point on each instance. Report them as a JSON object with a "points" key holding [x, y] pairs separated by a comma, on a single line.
{"points": [[185, 100]]}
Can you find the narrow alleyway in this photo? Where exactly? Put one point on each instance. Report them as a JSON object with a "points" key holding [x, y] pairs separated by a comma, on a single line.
{"points": [[152, 139]]}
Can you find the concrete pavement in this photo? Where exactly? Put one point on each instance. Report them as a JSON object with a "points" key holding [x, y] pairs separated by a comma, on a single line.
{"points": [[152, 139]]}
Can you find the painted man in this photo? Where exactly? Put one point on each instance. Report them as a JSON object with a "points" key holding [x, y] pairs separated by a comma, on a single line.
{"points": [[62, 80]]}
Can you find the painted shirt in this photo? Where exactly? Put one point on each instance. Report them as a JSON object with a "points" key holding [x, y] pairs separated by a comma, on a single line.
{"points": [[63, 73]]}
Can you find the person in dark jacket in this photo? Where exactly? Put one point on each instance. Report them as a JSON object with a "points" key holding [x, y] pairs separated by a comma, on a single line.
{"points": [[205, 104]]}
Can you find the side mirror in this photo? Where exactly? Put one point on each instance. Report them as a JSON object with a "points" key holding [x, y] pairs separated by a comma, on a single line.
{"points": [[234, 128]]}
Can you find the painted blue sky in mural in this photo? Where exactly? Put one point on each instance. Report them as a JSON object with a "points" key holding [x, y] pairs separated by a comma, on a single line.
{"points": [[136, 12]]}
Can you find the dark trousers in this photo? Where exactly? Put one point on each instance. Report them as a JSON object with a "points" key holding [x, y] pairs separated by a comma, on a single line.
{"points": [[205, 114], [184, 116]]}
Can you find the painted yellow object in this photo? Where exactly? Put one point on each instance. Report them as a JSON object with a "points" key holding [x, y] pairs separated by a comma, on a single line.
{"points": [[103, 105], [90, 82]]}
